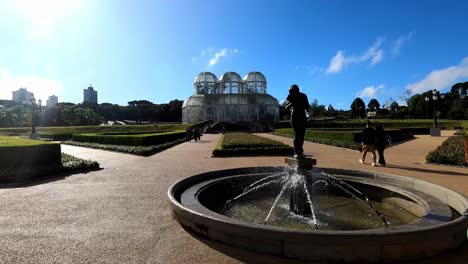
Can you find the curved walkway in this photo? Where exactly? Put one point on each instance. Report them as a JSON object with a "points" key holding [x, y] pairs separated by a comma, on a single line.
{"points": [[121, 215]]}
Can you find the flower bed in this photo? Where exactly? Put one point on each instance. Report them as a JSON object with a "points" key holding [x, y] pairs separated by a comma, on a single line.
{"points": [[451, 152]]}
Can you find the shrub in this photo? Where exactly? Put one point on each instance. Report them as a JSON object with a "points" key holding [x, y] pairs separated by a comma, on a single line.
{"points": [[131, 140], [136, 150], [56, 136], [235, 144], [387, 124], [451, 152], [72, 163], [68, 164], [26, 153]]}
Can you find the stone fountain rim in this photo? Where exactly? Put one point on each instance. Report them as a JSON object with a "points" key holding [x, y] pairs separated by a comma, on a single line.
{"points": [[282, 244], [209, 215]]}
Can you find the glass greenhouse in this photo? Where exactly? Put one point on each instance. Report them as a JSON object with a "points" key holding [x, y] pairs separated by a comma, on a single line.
{"points": [[230, 99]]}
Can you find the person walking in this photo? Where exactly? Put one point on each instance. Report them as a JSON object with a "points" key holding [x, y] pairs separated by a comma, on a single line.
{"points": [[380, 143], [298, 104], [368, 143]]}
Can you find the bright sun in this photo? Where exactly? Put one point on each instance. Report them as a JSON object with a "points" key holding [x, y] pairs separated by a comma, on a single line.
{"points": [[43, 14]]}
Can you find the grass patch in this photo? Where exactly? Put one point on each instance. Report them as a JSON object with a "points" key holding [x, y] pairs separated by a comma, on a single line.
{"points": [[242, 144], [155, 128], [19, 142], [136, 150], [451, 152]]}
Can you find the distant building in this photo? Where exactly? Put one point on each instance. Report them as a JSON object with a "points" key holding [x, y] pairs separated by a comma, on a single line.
{"points": [[90, 95], [230, 99], [23, 96], [52, 101]]}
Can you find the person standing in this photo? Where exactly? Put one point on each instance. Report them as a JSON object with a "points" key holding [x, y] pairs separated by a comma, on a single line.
{"points": [[380, 143], [368, 143], [298, 104]]}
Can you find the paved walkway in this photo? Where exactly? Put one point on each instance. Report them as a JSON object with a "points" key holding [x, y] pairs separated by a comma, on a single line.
{"points": [[121, 215]]}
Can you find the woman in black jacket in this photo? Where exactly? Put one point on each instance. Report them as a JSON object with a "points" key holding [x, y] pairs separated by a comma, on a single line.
{"points": [[380, 143]]}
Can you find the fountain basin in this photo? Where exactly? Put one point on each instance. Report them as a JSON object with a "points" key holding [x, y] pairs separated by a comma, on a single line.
{"points": [[441, 223]]}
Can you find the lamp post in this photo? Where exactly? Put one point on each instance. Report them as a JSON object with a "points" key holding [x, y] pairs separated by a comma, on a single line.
{"points": [[436, 97]]}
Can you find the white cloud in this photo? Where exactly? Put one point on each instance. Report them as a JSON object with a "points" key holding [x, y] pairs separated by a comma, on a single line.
{"points": [[370, 91], [215, 59], [213, 56], [337, 63], [222, 53], [374, 54], [378, 57], [399, 42], [441, 78], [41, 87]]}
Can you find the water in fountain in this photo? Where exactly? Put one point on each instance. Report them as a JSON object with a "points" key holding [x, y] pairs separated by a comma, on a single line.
{"points": [[326, 209]]}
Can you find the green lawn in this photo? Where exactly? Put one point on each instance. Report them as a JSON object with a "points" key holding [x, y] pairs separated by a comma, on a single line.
{"points": [[241, 144], [242, 140], [13, 142], [95, 129]]}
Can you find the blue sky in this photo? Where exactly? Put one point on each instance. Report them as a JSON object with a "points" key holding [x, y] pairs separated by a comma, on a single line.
{"points": [[153, 50]]}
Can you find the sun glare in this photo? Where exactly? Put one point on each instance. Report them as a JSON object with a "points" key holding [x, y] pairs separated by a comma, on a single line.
{"points": [[43, 14]]}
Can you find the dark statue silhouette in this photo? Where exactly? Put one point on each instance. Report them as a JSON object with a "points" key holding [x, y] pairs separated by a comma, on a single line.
{"points": [[298, 104]]}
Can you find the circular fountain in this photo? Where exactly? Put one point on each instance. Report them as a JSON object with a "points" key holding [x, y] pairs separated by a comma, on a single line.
{"points": [[321, 215]]}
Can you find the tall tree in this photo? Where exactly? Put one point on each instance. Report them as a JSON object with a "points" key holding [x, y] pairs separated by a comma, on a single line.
{"points": [[373, 105], [358, 108]]}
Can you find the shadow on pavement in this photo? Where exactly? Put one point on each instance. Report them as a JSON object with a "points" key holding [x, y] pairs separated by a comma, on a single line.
{"points": [[45, 179], [452, 173]]}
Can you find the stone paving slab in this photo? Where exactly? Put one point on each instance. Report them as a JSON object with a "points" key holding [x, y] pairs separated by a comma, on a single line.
{"points": [[121, 214]]}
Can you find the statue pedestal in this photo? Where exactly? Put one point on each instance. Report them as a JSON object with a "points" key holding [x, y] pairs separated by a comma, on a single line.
{"points": [[435, 131], [301, 163], [33, 136]]}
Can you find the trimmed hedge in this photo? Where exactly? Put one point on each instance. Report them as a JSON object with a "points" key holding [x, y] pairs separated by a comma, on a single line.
{"points": [[56, 136], [452, 152], [68, 164], [342, 138], [387, 123], [26, 153], [131, 140], [136, 150], [240, 144]]}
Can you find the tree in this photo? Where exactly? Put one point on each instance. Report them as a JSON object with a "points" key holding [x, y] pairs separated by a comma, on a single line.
{"points": [[358, 108], [331, 111], [373, 105], [457, 111]]}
